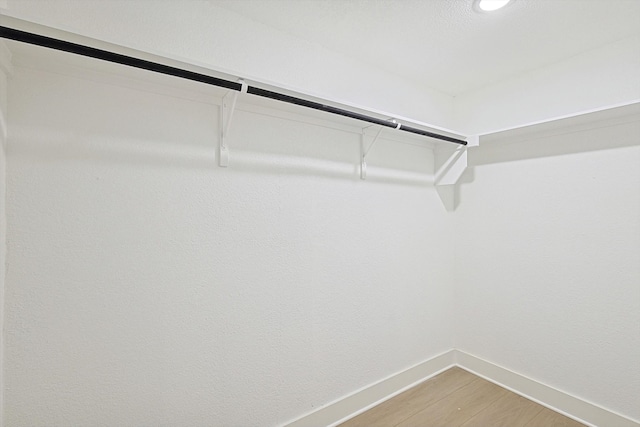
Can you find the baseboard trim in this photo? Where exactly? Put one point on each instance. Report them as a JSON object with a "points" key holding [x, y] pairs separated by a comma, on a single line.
{"points": [[557, 400], [361, 400], [364, 399]]}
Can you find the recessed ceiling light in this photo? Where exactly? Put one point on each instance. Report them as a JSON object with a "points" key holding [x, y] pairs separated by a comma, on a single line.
{"points": [[489, 5]]}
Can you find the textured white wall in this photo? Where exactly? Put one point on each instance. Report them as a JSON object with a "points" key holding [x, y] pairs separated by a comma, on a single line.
{"points": [[595, 79], [226, 41], [548, 264], [3, 250], [4, 71], [150, 287]]}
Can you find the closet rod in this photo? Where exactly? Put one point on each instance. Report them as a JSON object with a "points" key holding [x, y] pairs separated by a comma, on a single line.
{"points": [[78, 49]]}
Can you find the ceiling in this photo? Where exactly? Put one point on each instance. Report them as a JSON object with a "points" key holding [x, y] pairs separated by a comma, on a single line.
{"points": [[445, 44]]}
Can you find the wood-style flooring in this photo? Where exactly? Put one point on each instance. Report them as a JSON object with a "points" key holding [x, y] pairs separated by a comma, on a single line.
{"points": [[456, 398]]}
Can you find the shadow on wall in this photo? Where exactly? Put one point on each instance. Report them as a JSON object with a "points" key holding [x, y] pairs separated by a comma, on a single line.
{"points": [[450, 194], [266, 156]]}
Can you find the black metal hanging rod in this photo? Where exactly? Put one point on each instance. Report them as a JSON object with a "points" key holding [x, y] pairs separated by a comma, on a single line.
{"points": [[91, 52]]}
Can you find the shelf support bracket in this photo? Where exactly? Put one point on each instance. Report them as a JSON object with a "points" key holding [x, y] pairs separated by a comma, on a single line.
{"points": [[226, 115], [452, 168], [364, 152]]}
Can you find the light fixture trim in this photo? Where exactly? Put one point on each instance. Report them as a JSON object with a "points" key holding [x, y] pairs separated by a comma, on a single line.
{"points": [[488, 6]]}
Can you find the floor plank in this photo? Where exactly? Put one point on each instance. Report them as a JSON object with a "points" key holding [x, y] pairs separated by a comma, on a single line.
{"points": [[457, 398], [548, 418], [412, 401], [510, 410], [458, 407]]}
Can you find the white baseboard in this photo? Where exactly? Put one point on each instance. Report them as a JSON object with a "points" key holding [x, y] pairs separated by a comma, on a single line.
{"points": [[559, 401], [361, 400]]}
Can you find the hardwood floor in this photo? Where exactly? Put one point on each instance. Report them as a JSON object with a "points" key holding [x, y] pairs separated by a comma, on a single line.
{"points": [[457, 398]]}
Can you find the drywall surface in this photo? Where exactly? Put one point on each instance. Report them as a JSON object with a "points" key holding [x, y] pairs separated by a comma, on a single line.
{"points": [[202, 32], [3, 257], [592, 80], [4, 67], [148, 286], [548, 265], [3, 250]]}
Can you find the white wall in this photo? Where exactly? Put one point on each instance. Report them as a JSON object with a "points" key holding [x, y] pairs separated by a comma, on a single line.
{"points": [[210, 35], [5, 67], [595, 79], [150, 287], [3, 250], [548, 262]]}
